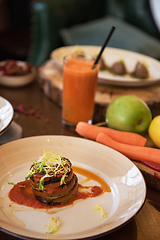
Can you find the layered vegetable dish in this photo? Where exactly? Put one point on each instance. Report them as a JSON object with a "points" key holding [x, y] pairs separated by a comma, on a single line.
{"points": [[52, 179]]}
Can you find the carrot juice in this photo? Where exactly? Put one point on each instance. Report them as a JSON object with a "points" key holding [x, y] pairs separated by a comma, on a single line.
{"points": [[79, 88]]}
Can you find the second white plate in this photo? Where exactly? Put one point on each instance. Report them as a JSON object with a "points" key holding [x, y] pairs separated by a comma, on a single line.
{"points": [[112, 55]]}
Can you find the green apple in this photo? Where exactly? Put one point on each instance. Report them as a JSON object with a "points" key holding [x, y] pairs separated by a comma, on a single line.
{"points": [[128, 113]]}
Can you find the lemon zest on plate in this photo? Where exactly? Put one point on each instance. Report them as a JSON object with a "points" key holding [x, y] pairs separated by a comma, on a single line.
{"points": [[53, 226], [100, 209]]}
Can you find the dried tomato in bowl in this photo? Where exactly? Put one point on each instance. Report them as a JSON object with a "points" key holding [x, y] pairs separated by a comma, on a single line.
{"points": [[14, 68]]}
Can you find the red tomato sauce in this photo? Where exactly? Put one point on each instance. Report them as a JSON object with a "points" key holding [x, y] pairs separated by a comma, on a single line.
{"points": [[21, 193]]}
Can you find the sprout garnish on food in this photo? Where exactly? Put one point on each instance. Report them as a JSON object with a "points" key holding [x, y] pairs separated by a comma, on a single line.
{"points": [[51, 165]]}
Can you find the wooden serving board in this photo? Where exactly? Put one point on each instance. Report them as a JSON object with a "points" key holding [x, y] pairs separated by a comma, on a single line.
{"points": [[50, 81], [147, 172], [148, 175]]}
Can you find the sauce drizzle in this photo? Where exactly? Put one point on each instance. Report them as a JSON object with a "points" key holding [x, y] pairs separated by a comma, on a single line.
{"points": [[21, 193]]}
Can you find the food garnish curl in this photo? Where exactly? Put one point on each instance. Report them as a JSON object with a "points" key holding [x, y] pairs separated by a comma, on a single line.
{"points": [[51, 165], [52, 228], [100, 209]]}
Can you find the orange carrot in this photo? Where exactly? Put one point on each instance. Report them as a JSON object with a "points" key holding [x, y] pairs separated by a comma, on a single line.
{"points": [[130, 151], [91, 132]]}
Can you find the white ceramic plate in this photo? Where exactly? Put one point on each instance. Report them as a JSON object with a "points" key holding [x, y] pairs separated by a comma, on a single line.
{"points": [[128, 189], [112, 55], [18, 81], [6, 114]]}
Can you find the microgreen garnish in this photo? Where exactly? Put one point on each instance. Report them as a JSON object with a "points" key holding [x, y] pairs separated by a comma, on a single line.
{"points": [[51, 165], [11, 183]]}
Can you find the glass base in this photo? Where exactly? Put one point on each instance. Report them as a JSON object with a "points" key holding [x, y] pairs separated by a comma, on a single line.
{"points": [[69, 124], [72, 125]]}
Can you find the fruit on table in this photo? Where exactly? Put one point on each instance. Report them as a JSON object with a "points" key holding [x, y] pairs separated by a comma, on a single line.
{"points": [[154, 131], [128, 113]]}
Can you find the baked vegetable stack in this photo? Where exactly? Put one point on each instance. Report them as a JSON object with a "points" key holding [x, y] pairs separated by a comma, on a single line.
{"points": [[52, 179]]}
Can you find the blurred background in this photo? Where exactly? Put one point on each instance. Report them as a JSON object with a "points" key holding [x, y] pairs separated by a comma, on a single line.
{"points": [[15, 22], [30, 29]]}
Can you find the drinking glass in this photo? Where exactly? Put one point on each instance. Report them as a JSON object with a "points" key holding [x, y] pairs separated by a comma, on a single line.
{"points": [[79, 88]]}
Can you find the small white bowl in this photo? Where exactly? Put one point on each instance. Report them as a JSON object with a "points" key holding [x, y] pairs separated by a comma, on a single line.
{"points": [[18, 81]]}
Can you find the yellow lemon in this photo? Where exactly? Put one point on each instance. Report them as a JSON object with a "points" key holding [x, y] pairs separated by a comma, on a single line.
{"points": [[154, 131]]}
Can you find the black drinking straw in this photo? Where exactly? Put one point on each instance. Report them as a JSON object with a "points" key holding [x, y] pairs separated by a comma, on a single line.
{"points": [[103, 47]]}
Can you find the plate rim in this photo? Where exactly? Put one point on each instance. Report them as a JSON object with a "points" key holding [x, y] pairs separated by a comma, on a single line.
{"points": [[11, 119]]}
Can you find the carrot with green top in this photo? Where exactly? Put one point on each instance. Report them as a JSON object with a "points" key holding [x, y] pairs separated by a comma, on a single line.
{"points": [[91, 131], [130, 151]]}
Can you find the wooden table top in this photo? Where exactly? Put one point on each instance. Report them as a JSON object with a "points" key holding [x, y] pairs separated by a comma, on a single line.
{"points": [[144, 226]]}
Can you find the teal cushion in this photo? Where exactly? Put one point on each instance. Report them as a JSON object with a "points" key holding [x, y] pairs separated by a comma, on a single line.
{"points": [[125, 36]]}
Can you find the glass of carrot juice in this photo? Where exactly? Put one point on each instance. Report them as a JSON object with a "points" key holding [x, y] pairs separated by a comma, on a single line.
{"points": [[79, 88]]}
